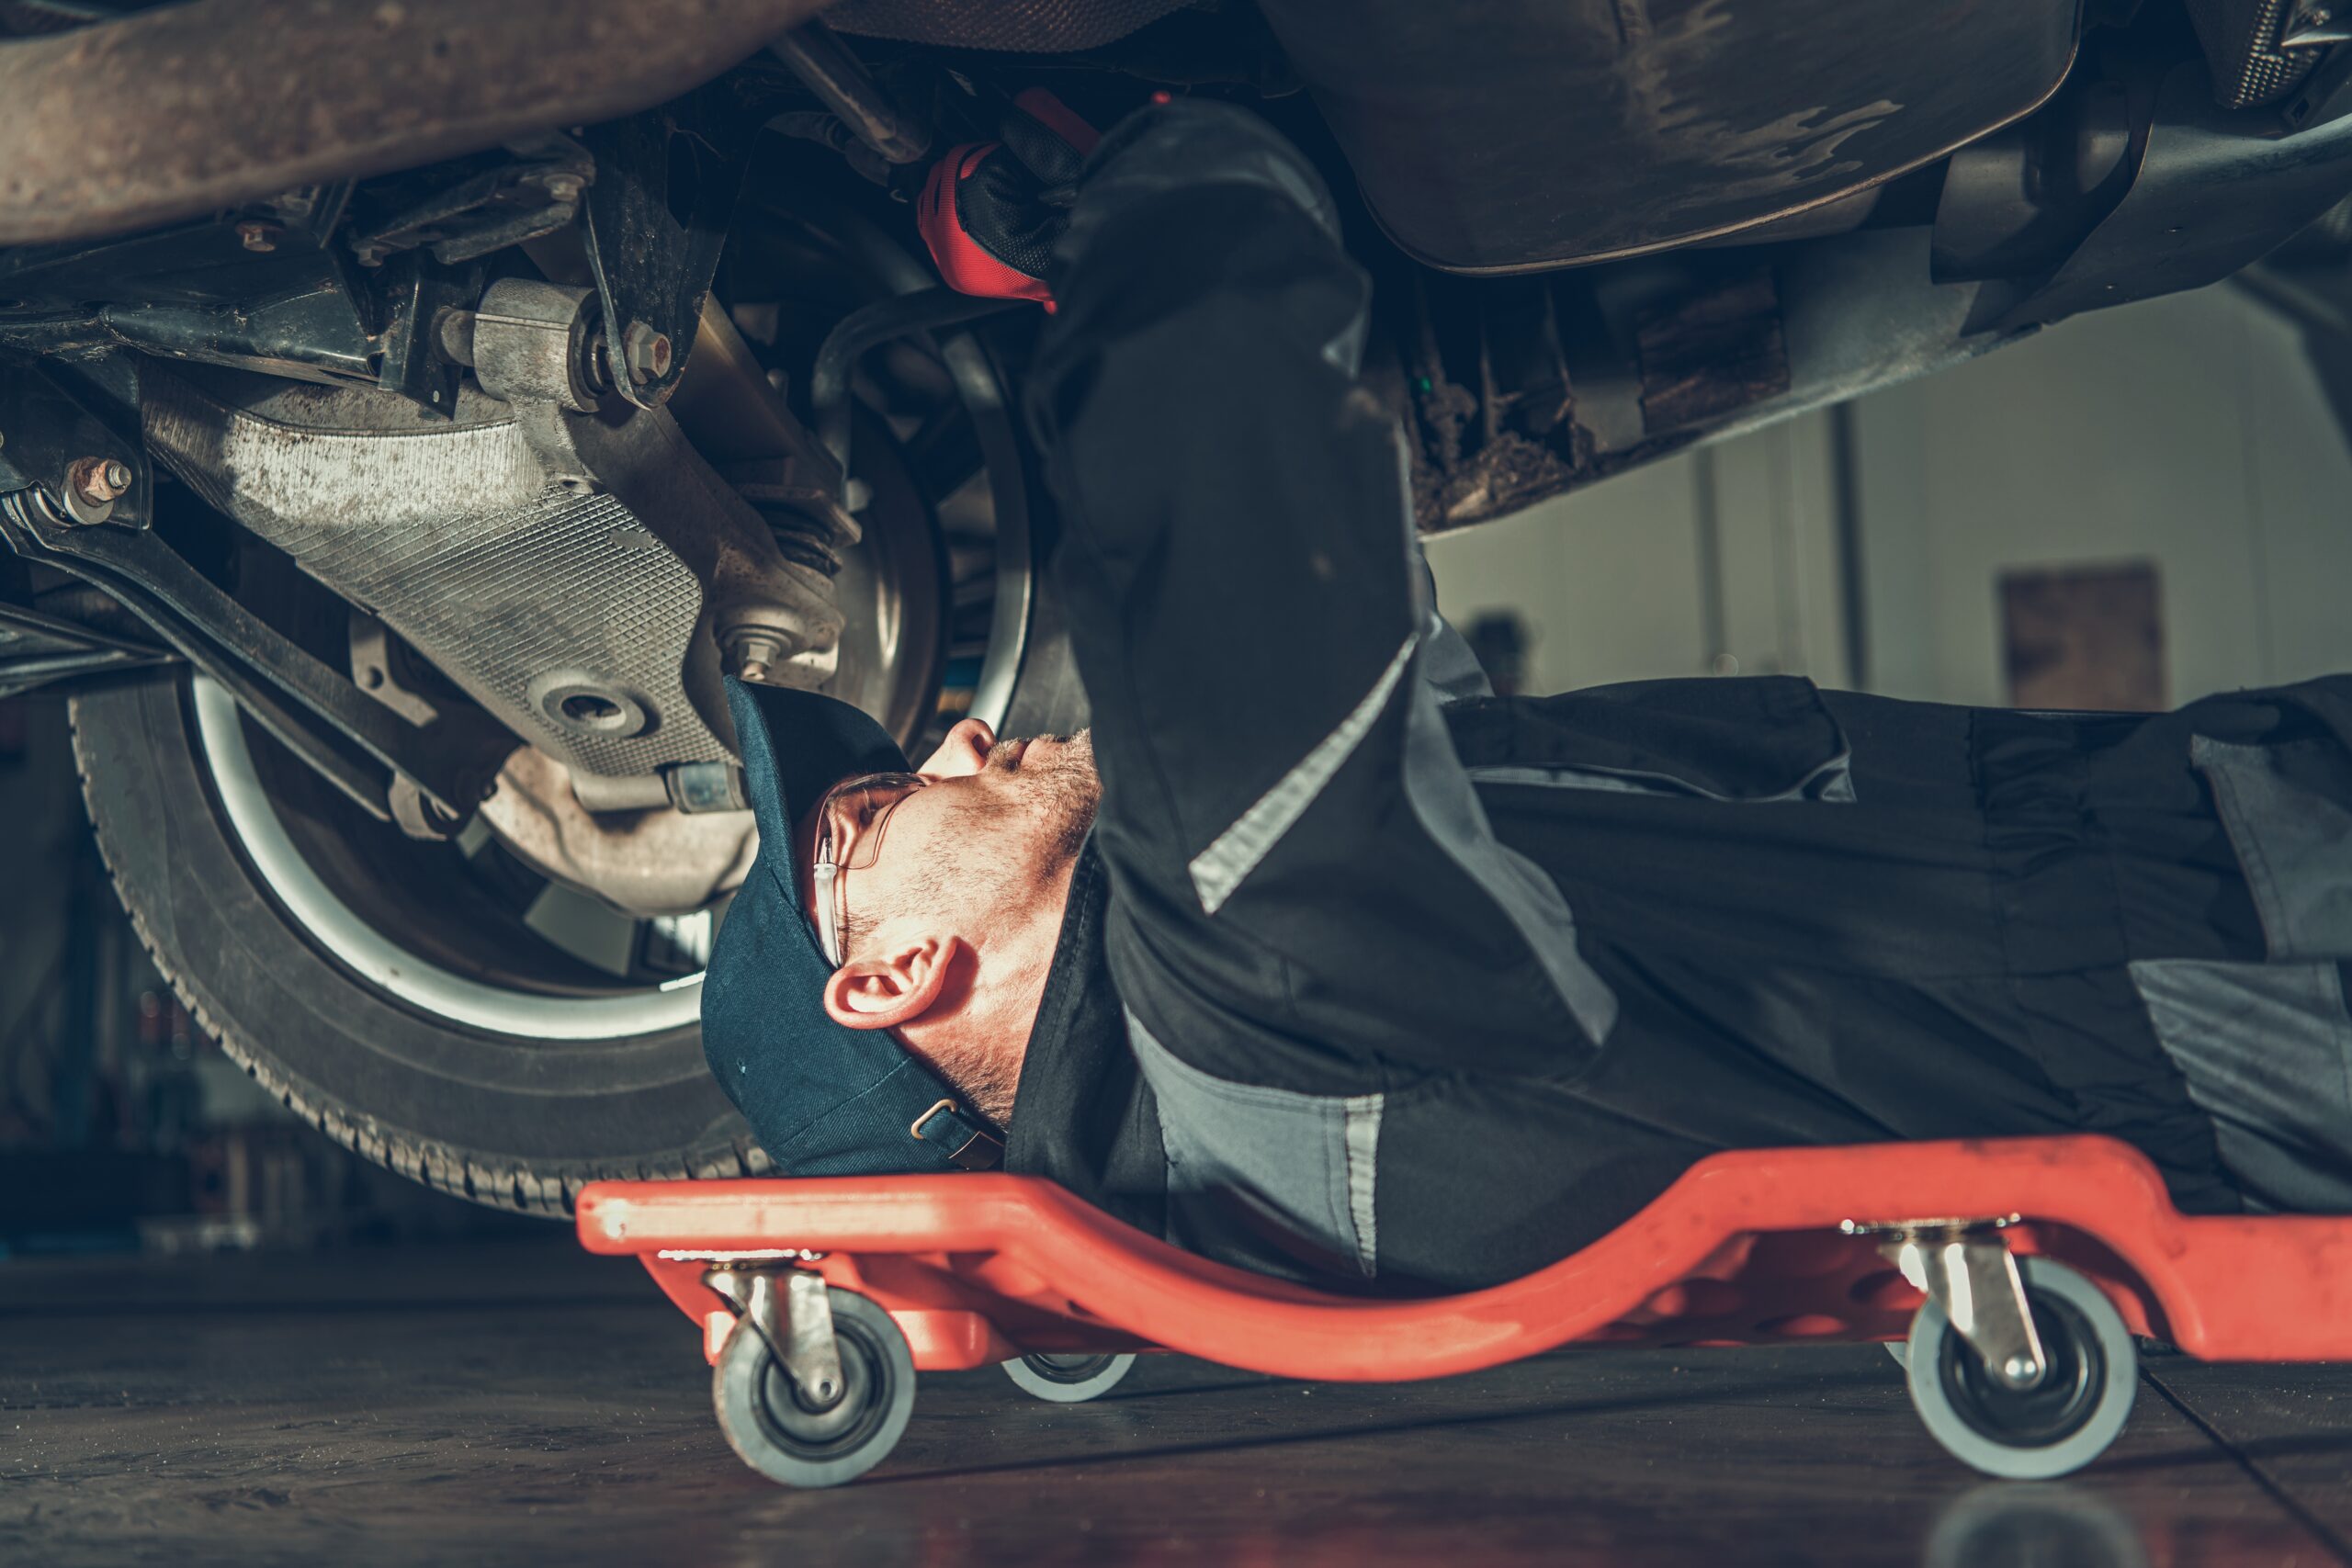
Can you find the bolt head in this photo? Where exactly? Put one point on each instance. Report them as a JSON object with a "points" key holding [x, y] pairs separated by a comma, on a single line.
{"points": [[98, 480], [645, 352], [752, 653], [2019, 1371], [257, 236], [562, 187]]}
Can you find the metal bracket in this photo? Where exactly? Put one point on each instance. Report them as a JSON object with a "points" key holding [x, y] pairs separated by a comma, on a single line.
{"points": [[57, 438], [423, 295], [798, 1327], [1967, 1269], [536, 194], [319, 716], [657, 218]]}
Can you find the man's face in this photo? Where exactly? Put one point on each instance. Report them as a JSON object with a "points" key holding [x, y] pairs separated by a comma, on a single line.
{"points": [[992, 827]]}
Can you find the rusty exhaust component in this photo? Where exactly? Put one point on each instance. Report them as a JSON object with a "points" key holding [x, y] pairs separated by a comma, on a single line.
{"points": [[181, 111]]}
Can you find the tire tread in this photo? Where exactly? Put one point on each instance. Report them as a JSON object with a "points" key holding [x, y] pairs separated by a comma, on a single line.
{"points": [[547, 1190]]}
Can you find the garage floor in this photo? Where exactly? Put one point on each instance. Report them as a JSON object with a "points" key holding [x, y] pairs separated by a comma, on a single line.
{"points": [[530, 1403]]}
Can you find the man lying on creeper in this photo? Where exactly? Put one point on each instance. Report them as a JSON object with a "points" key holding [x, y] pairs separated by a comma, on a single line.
{"points": [[1316, 959]]}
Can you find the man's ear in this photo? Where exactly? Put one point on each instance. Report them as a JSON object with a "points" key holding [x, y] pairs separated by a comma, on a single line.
{"points": [[893, 989]]}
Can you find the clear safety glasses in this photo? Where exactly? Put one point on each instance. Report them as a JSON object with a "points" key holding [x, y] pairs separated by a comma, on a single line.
{"points": [[851, 820]]}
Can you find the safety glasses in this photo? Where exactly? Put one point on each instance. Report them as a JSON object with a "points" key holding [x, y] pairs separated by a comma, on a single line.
{"points": [[851, 820]]}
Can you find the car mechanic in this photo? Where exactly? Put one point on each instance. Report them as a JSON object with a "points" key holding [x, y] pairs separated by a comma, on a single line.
{"points": [[1313, 958]]}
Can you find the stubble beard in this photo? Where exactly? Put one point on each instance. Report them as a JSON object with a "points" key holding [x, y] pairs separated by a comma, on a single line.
{"points": [[1064, 791]]}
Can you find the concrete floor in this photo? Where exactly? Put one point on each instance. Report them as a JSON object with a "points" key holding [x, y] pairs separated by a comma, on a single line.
{"points": [[530, 1404]]}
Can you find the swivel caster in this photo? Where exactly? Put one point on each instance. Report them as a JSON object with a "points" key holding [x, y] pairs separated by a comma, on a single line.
{"points": [[1068, 1380], [821, 1427], [2021, 1427]]}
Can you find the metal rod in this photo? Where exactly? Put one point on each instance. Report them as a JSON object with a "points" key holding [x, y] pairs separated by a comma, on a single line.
{"points": [[95, 121], [828, 69], [868, 328]]}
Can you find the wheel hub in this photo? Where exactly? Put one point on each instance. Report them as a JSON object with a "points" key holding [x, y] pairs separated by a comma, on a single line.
{"points": [[802, 1426], [2043, 1413]]}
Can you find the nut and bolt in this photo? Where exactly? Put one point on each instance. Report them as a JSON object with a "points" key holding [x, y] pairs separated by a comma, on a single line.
{"points": [[755, 653], [98, 480], [562, 187], [257, 236], [645, 352]]}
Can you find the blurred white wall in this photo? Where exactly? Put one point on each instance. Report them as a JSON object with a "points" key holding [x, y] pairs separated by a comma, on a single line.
{"points": [[2189, 432]]}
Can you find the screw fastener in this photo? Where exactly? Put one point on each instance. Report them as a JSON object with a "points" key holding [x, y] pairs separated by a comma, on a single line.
{"points": [[98, 480], [754, 653], [257, 236], [645, 352]]}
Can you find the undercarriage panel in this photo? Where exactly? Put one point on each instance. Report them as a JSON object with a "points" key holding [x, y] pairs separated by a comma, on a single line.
{"points": [[1510, 135]]}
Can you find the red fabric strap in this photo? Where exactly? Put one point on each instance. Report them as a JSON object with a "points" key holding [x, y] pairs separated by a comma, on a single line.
{"points": [[1056, 117]]}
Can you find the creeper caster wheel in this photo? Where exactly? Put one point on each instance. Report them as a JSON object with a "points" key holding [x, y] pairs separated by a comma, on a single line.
{"points": [[778, 1430], [1068, 1380], [2054, 1426]]}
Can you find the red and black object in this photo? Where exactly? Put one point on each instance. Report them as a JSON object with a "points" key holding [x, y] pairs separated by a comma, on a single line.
{"points": [[992, 210]]}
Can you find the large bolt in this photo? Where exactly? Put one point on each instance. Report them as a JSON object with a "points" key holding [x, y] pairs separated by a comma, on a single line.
{"points": [[645, 352], [98, 480], [561, 186], [257, 236]]}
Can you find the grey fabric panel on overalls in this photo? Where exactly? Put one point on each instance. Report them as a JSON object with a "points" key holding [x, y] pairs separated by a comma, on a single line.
{"points": [[1269, 1161], [2267, 1048]]}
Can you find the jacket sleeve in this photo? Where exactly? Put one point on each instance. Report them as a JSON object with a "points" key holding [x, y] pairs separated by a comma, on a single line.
{"points": [[1299, 858]]}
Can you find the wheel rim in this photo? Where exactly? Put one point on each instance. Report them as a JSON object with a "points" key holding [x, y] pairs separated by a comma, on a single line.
{"points": [[391, 966], [816, 1435], [1068, 1369], [2061, 1405]]}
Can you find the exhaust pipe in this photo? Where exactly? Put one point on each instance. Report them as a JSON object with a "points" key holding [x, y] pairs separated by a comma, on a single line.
{"points": [[177, 112]]}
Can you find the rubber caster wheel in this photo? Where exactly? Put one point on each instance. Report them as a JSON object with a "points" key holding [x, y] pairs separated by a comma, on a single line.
{"points": [[2062, 1422], [1068, 1380], [778, 1433], [1901, 1350]]}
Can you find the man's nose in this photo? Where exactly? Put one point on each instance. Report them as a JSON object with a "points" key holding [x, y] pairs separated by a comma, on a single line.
{"points": [[963, 752]]}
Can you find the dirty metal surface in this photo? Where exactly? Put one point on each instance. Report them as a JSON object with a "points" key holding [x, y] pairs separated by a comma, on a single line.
{"points": [[528, 1404], [184, 109], [453, 534]]}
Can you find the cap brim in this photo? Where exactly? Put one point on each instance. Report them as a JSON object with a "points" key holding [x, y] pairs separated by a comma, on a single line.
{"points": [[795, 746]]}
